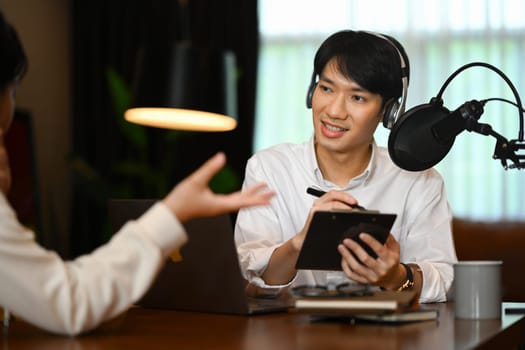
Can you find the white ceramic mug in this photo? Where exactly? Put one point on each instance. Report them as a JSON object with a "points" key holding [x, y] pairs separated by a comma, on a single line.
{"points": [[478, 289]]}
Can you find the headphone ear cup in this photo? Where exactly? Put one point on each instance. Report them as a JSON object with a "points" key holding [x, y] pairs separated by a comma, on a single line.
{"points": [[391, 111], [310, 94]]}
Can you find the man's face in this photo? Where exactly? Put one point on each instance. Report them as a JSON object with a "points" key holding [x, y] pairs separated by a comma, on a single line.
{"points": [[345, 115]]}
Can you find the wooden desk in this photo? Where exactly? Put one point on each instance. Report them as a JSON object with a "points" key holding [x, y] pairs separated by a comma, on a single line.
{"points": [[164, 329]]}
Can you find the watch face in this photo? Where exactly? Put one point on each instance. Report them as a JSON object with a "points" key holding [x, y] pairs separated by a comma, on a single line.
{"points": [[409, 281], [406, 285]]}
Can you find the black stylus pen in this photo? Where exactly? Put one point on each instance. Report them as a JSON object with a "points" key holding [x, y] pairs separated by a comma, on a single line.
{"points": [[319, 193]]}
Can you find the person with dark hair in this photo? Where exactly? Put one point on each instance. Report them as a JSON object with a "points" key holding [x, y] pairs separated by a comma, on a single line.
{"points": [[360, 79], [70, 297]]}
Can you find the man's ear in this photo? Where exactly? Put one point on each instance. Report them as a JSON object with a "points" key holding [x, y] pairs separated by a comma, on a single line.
{"points": [[381, 114]]}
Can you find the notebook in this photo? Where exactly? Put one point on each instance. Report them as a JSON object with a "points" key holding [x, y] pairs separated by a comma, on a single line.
{"points": [[204, 275]]}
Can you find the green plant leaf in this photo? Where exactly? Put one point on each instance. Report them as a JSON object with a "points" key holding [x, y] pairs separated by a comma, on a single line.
{"points": [[121, 97]]}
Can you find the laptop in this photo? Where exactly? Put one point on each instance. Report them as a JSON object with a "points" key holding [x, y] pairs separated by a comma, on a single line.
{"points": [[204, 275]]}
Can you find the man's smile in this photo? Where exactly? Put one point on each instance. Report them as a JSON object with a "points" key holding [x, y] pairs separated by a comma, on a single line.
{"points": [[331, 130]]}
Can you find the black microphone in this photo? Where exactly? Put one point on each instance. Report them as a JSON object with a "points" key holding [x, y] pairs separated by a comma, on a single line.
{"points": [[423, 135], [463, 118]]}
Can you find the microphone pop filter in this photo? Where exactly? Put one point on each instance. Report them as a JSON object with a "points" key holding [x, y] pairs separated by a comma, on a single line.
{"points": [[412, 144]]}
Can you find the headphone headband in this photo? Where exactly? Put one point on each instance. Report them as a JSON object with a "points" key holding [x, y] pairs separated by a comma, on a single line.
{"points": [[395, 108]]}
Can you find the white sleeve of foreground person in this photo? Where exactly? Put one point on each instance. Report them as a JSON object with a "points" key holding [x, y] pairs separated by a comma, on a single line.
{"points": [[76, 296]]}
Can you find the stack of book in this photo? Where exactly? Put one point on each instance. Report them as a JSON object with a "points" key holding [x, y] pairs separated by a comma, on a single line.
{"points": [[382, 306]]}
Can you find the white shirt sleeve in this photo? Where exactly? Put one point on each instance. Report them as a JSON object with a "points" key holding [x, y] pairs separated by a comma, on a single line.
{"points": [[76, 296], [427, 239], [257, 235]]}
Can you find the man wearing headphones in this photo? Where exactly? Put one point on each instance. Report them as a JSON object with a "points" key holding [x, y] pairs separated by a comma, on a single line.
{"points": [[360, 80]]}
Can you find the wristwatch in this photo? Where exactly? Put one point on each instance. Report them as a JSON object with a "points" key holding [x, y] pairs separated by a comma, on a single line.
{"points": [[409, 279]]}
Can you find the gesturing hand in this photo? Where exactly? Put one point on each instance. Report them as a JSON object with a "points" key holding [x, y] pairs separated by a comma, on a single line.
{"points": [[192, 197]]}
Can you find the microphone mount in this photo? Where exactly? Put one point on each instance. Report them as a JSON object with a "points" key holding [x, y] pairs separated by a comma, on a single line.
{"points": [[506, 150], [468, 116]]}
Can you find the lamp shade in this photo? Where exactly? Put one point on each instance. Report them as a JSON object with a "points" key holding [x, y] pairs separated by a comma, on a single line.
{"points": [[180, 86]]}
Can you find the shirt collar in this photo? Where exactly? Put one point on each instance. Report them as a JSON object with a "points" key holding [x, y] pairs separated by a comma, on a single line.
{"points": [[361, 179]]}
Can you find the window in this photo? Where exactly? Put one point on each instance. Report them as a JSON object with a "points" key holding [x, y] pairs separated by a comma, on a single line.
{"points": [[439, 36]]}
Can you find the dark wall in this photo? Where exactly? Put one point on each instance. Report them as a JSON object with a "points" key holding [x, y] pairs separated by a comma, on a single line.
{"points": [[108, 162]]}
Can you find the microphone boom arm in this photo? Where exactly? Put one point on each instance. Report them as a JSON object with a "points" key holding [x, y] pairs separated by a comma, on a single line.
{"points": [[505, 150]]}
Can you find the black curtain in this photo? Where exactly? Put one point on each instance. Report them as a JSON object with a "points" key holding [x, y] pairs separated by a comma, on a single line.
{"points": [[107, 35]]}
